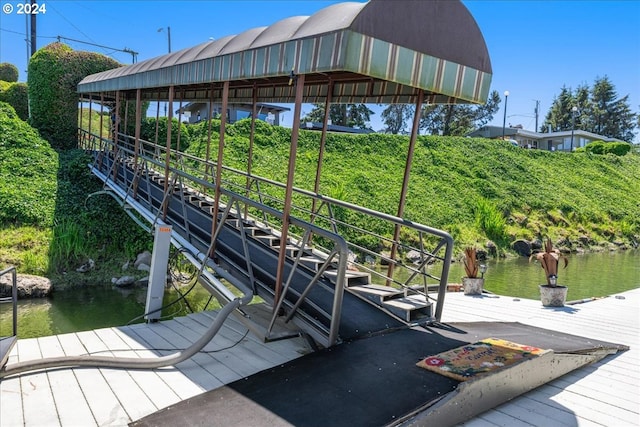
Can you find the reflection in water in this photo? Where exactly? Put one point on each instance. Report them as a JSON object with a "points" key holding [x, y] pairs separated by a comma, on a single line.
{"points": [[86, 308]]}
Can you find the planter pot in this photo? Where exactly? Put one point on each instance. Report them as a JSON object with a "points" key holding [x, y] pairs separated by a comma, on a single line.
{"points": [[472, 285], [553, 296]]}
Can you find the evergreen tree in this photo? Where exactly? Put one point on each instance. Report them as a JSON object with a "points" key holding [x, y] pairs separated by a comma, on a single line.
{"points": [[598, 111], [351, 115], [458, 119], [395, 118], [559, 116]]}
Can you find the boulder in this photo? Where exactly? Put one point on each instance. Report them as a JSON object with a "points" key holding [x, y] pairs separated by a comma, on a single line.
{"points": [[28, 286], [492, 249], [143, 258], [521, 247], [123, 281], [87, 266]]}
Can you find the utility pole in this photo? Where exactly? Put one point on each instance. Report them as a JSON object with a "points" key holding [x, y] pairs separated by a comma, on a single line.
{"points": [[33, 29], [536, 111]]}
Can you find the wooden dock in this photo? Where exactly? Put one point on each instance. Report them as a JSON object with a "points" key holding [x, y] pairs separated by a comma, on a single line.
{"points": [[606, 393]]}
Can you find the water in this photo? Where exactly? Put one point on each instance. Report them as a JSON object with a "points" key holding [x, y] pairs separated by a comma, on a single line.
{"points": [[587, 275]]}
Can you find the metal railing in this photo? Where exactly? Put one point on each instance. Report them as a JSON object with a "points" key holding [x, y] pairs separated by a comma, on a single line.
{"points": [[13, 298], [423, 253]]}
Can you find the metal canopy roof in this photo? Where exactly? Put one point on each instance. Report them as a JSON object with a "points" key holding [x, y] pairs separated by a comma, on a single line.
{"points": [[381, 51]]}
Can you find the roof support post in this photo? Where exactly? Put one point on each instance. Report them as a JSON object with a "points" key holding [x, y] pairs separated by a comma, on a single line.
{"points": [[208, 153], [223, 121], [157, 119], [179, 122], [101, 115], [167, 159], [405, 182], [90, 107], [126, 117], [295, 130], [323, 140], [136, 147], [252, 131], [79, 133], [116, 129]]}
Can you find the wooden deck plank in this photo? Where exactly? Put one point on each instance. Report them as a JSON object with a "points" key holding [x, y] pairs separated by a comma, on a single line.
{"points": [[70, 402], [37, 401], [11, 413], [157, 390]]}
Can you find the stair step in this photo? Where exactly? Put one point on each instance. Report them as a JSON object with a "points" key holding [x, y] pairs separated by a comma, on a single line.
{"points": [[312, 262], [353, 278], [410, 309], [377, 293]]}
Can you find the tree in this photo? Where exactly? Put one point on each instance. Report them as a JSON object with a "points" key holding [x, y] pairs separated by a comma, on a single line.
{"points": [[395, 116], [599, 110], [457, 119], [8, 72], [559, 116], [351, 115]]}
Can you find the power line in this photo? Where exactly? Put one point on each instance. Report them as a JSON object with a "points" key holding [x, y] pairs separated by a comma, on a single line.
{"points": [[134, 54]]}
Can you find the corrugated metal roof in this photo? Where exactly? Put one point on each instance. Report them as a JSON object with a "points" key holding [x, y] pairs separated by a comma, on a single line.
{"points": [[435, 46]]}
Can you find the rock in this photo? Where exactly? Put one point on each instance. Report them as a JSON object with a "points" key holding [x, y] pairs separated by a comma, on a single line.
{"points": [[144, 267], [125, 266], [143, 258], [521, 247], [492, 249], [536, 245], [28, 286], [385, 257], [143, 282], [125, 281], [87, 266], [413, 256], [584, 240], [481, 255]]}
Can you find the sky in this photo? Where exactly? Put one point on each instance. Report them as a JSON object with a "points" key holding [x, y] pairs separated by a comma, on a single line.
{"points": [[536, 47]]}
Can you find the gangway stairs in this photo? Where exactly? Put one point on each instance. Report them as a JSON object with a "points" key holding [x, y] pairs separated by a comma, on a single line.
{"points": [[325, 295]]}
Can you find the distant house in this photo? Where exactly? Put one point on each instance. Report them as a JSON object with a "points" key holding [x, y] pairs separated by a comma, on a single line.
{"points": [[195, 112], [552, 141], [333, 128]]}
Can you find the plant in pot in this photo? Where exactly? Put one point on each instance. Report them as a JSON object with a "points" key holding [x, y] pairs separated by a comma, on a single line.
{"points": [[551, 294], [471, 283]]}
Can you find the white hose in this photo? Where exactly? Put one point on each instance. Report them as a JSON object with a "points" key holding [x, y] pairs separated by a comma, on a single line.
{"points": [[129, 362]]}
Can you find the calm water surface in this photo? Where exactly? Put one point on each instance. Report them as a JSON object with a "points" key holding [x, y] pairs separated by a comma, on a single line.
{"points": [[588, 275]]}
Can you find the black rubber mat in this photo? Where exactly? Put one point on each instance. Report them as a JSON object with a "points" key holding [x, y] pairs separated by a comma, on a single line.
{"points": [[365, 382]]}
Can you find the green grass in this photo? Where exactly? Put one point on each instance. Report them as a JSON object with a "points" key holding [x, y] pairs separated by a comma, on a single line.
{"points": [[524, 193]]}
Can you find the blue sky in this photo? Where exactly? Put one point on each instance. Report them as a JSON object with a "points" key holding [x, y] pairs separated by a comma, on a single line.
{"points": [[536, 47]]}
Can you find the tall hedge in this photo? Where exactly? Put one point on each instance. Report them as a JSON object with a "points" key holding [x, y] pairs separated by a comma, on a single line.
{"points": [[8, 72], [28, 168], [54, 74], [15, 94]]}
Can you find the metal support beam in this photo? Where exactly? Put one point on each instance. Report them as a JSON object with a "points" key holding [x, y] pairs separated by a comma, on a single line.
{"points": [[295, 130], [405, 182], [223, 122], [252, 131]]}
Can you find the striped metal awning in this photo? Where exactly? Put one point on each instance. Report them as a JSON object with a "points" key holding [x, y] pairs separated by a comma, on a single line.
{"points": [[382, 51]]}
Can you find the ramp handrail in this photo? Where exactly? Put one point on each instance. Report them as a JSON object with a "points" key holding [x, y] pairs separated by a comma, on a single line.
{"points": [[424, 252]]}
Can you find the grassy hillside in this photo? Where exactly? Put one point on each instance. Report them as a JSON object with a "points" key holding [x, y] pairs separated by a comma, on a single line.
{"points": [[47, 224], [477, 189]]}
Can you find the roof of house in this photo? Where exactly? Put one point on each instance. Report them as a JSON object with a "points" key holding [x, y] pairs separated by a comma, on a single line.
{"points": [[379, 51], [496, 132]]}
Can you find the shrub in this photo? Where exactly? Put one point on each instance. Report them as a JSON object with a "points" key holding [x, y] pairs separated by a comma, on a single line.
{"points": [[490, 220], [54, 73], [8, 72], [16, 95], [601, 147]]}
